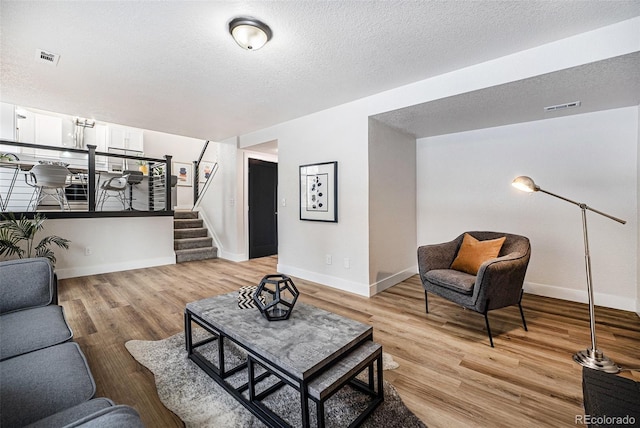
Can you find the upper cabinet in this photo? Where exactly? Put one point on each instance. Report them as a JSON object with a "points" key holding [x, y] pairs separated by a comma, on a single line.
{"points": [[122, 137]]}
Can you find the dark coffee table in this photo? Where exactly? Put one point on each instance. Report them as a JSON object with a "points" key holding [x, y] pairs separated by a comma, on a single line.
{"points": [[314, 351]]}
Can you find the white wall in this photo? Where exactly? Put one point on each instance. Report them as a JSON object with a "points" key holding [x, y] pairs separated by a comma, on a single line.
{"points": [[392, 206], [464, 184], [221, 205], [638, 218], [183, 149], [116, 244], [338, 134]]}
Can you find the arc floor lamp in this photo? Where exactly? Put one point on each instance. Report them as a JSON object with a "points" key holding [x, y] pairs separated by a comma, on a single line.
{"points": [[591, 357]]}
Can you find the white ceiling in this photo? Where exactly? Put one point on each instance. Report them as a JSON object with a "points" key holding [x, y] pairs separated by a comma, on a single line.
{"points": [[602, 85], [172, 66]]}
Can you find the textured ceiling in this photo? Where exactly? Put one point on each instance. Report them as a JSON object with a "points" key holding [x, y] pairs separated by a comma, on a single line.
{"points": [[171, 66], [601, 85]]}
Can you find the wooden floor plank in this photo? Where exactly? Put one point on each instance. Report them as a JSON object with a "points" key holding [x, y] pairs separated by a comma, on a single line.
{"points": [[448, 375]]}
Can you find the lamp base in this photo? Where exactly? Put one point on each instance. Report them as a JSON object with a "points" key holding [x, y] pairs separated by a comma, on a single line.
{"points": [[595, 360]]}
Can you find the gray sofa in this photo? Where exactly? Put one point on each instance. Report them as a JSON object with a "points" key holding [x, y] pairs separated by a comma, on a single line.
{"points": [[45, 380]]}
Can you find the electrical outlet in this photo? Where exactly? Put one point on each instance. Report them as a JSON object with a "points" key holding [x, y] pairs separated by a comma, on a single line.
{"points": [[327, 259], [284, 202], [88, 251], [347, 263]]}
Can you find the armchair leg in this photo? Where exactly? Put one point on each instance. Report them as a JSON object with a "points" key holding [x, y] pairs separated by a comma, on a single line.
{"points": [[426, 301], [524, 323], [486, 320]]}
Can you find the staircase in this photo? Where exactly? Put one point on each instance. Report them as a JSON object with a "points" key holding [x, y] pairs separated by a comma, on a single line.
{"points": [[190, 238]]}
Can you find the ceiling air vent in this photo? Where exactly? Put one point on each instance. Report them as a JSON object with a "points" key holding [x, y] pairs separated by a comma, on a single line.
{"points": [[563, 106], [47, 57]]}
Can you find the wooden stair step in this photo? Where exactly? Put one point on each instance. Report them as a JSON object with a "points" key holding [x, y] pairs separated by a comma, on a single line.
{"points": [[194, 254], [189, 243], [185, 214], [187, 223], [199, 232]]}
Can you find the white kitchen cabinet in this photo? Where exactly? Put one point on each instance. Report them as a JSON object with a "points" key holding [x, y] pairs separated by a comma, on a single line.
{"points": [[40, 129], [122, 137]]}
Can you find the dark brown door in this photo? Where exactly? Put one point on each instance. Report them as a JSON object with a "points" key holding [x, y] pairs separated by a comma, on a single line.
{"points": [[263, 208]]}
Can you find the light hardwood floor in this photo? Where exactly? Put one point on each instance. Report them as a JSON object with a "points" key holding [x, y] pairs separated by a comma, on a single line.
{"points": [[448, 375]]}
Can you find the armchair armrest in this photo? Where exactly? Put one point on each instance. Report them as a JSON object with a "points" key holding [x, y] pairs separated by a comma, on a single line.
{"points": [[500, 280], [26, 283], [437, 256]]}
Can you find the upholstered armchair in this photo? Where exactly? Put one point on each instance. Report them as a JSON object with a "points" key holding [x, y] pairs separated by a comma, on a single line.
{"points": [[497, 283]]}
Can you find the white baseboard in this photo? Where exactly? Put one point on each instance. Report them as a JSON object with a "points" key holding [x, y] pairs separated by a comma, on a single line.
{"points": [[328, 280], [390, 281], [233, 257], [581, 296], [113, 267]]}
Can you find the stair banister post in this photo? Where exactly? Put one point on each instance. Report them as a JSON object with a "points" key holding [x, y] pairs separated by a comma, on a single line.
{"points": [[91, 173], [167, 183], [196, 178]]}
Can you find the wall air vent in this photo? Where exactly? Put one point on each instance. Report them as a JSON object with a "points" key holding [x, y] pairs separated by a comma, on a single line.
{"points": [[563, 106], [47, 57]]}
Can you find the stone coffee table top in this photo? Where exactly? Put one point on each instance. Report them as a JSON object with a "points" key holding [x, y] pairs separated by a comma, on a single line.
{"points": [[300, 345]]}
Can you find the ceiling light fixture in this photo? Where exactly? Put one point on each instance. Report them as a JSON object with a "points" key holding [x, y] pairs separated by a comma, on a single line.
{"points": [[249, 33]]}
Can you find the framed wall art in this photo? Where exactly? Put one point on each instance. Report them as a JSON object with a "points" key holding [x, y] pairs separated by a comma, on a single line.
{"points": [[183, 171], [319, 192], [206, 168]]}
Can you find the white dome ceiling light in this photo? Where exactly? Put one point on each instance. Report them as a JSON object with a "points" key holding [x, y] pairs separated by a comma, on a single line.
{"points": [[249, 33]]}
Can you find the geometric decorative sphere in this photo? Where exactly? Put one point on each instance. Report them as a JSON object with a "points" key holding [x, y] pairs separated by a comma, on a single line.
{"points": [[275, 297]]}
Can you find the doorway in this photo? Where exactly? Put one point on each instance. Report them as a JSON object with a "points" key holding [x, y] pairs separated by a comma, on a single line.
{"points": [[263, 208]]}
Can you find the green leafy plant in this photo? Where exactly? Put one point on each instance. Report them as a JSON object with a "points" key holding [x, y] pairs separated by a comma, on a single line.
{"points": [[17, 238]]}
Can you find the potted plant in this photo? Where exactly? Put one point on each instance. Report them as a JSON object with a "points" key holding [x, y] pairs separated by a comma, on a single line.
{"points": [[17, 238]]}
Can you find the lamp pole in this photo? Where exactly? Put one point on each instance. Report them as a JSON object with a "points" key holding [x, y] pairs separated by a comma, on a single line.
{"points": [[590, 357]]}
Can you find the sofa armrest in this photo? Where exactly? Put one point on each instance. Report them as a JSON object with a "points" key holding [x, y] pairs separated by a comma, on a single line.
{"points": [[437, 256], [26, 283]]}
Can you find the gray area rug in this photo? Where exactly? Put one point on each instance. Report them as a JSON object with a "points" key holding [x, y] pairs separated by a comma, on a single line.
{"points": [[200, 402]]}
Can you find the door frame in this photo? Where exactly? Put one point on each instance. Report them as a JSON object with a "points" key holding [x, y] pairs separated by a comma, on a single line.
{"points": [[245, 161]]}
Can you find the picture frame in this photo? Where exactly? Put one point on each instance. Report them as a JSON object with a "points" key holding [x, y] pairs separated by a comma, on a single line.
{"points": [[319, 192], [206, 168], [183, 171]]}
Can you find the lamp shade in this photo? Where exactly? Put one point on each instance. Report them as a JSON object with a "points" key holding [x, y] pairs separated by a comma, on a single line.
{"points": [[249, 33], [524, 183]]}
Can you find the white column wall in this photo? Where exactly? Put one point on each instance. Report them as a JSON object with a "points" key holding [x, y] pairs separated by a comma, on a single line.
{"points": [[392, 206], [464, 184], [638, 219]]}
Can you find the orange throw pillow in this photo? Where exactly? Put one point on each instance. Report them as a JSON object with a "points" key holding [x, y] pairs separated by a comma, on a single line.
{"points": [[473, 253]]}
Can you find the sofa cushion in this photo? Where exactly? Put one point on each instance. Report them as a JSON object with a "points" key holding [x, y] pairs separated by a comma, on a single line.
{"points": [[113, 417], [73, 414], [473, 253], [452, 279], [25, 283], [44, 382], [32, 329]]}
